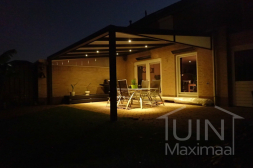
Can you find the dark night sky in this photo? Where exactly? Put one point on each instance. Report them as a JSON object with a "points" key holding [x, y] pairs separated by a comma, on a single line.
{"points": [[39, 28]]}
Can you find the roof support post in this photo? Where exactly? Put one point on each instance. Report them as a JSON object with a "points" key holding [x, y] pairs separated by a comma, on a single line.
{"points": [[113, 75], [49, 81]]}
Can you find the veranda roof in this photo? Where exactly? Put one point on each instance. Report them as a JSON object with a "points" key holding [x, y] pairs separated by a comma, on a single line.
{"points": [[129, 41]]}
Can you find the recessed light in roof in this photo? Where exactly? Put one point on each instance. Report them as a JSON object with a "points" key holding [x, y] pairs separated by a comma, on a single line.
{"points": [[117, 53], [130, 50], [97, 51], [95, 59], [190, 61], [86, 55], [146, 46], [129, 41]]}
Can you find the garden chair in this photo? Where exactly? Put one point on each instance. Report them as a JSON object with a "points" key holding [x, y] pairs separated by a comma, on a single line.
{"points": [[118, 94], [156, 93], [124, 93], [143, 94]]}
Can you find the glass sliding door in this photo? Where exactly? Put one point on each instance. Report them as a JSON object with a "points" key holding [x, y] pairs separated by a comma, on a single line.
{"points": [[187, 75], [141, 73], [155, 71], [155, 74], [148, 70]]}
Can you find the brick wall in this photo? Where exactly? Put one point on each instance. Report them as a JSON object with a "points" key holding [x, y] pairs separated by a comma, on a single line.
{"points": [[205, 73], [64, 76], [121, 68], [220, 43]]}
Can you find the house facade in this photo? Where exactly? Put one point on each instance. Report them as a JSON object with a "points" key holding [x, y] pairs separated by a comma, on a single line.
{"points": [[198, 49], [230, 23]]}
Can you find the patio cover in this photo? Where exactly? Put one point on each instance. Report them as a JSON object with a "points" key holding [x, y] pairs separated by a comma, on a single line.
{"points": [[113, 41]]}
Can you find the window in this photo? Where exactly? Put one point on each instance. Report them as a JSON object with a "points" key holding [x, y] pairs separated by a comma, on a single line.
{"points": [[187, 78], [244, 65]]}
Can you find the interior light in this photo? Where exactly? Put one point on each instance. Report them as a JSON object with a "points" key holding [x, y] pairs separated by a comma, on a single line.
{"points": [[190, 61], [95, 59], [86, 55], [68, 61], [129, 41], [62, 63], [130, 50], [146, 46], [117, 53], [97, 51]]}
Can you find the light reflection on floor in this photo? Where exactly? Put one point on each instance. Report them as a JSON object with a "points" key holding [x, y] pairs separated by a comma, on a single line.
{"points": [[134, 109]]}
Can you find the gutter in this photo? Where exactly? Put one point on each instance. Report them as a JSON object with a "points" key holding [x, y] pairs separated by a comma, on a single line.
{"points": [[214, 71]]}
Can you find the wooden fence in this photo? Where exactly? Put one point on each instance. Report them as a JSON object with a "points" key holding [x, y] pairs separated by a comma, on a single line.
{"points": [[20, 88]]}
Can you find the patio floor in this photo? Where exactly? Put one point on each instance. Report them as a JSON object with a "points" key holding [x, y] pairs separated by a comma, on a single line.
{"points": [[190, 112], [150, 113]]}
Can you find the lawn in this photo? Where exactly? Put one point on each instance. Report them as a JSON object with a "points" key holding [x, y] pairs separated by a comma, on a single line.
{"points": [[69, 137]]}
